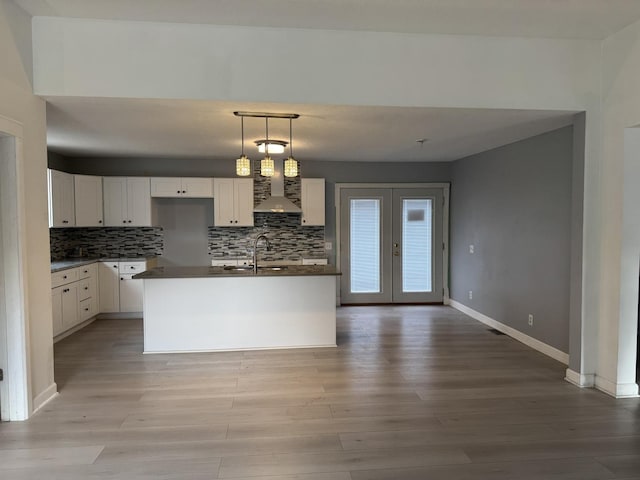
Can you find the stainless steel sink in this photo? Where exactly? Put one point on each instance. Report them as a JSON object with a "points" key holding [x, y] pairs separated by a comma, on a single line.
{"points": [[274, 269], [238, 269]]}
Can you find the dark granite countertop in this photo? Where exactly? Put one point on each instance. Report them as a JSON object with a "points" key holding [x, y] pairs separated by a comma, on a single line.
{"points": [[67, 263], [209, 272]]}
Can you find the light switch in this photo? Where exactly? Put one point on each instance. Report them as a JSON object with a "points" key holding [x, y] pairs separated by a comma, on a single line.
{"points": [[328, 246], [471, 248]]}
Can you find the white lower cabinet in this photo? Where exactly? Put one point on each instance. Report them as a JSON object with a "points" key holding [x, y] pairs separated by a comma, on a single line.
{"points": [[118, 291], [74, 292], [109, 281]]}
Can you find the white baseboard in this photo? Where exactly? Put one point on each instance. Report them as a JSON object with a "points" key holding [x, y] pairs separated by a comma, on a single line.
{"points": [[580, 380], [120, 316], [45, 397], [513, 333], [618, 390]]}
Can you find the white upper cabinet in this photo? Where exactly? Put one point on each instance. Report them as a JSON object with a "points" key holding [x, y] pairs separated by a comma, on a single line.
{"points": [[61, 199], [233, 204], [312, 190], [185, 187], [88, 200], [127, 201]]}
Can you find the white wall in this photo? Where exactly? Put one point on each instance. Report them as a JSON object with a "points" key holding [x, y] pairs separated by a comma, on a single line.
{"points": [[17, 102], [620, 248]]}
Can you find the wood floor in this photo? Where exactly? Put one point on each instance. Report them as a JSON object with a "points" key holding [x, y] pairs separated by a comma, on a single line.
{"points": [[410, 393]]}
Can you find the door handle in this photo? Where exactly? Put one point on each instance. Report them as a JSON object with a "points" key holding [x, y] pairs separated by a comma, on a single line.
{"points": [[396, 254]]}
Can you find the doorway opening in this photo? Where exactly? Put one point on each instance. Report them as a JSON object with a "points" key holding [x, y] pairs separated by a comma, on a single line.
{"points": [[392, 243]]}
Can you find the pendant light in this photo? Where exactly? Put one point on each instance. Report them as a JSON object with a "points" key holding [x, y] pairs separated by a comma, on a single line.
{"points": [[267, 168], [290, 164], [243, 164]]}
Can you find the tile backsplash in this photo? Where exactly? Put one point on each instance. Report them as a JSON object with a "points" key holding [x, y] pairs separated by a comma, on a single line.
{"points": [[106, 241], [289, 240]]}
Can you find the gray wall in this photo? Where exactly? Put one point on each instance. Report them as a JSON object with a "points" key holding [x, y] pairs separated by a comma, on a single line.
{"points": [[513, 204]]}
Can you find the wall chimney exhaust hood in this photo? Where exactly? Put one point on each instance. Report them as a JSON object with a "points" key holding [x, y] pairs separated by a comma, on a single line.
{"points": [[277, 202]]}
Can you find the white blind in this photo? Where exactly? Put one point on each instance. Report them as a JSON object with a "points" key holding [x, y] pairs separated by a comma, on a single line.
{"points": [[417, 220], [365, 245]]}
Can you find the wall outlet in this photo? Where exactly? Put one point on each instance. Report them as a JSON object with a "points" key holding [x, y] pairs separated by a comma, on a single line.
{"points": [[530, 320], [470, 294], [472, 249], [328, 246]]}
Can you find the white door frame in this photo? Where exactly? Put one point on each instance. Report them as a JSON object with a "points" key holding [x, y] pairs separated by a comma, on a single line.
{"points": [[15, 390], [445, 223]]}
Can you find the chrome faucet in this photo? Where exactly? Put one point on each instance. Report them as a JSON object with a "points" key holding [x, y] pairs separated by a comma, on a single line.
{"points": [[262, 236]]}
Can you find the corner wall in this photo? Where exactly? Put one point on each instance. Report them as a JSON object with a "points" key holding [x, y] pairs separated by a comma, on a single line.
{"points": [[513, 204]]}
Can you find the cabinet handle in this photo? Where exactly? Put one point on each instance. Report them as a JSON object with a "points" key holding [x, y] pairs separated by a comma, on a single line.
{"points": [[304, 221], [178, 191], [65, 290], [86, 271], [86, 288], [132, 268], [184, 191], [129, 221], [99, 221], [64, 277], [124, 221], [230, 221], [236, 221], [121, 278], [115, 266]]}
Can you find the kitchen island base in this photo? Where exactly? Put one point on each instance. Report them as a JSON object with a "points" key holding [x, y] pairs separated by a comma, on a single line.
{"points": [[239, 313]]}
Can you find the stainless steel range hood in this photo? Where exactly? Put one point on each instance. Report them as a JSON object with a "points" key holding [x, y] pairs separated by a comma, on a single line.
{"points": [[277, 202]]}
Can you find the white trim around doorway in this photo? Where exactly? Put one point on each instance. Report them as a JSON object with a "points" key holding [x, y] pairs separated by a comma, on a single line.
{"points": [[15, 390], [445, 223]]}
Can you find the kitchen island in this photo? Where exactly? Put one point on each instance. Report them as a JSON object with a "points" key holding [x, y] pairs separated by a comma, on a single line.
{"points": [[207, 309]]}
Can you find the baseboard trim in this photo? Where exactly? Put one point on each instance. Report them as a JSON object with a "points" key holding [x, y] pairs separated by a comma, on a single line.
{"points": [[72, 330], [580, 380], [120, 316], [617, 390], [45, 397], [534, 343]]}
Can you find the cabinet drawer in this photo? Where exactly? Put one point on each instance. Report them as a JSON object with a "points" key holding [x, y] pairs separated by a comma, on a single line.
{"points": [[86, 309], [86, 271], [133, 267], [64, 277], [86, 289]]}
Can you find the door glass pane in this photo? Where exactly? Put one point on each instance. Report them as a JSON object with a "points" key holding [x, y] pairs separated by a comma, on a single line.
{"points": [[417, 219], [365, 245]]}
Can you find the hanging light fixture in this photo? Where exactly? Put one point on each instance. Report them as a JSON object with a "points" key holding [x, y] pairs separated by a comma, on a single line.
{"points": [[267, 168], [290, 164], [243, 164]]}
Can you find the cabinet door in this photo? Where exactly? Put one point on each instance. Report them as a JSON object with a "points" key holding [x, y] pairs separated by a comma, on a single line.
{"points": [[243, 199], [70, 302], [139, 202], [109, 286], [197, 187], [131, 294], [223, 202], [166, 187], [115, 201], [56, 301], [312, 190], [88, 200], [61, 199]]}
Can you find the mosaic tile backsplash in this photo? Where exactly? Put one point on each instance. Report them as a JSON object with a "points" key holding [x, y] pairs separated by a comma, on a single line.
{"points": [[106, 241], [289, 240]]}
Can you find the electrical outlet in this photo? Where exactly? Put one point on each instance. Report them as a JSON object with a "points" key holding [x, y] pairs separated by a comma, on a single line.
{"points": [[530, 320], [472, 249], [470, 295], [328, 246]]}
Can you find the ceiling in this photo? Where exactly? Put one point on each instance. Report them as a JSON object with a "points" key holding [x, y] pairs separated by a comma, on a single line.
{"points": [[137, 127], [595, 19], [206, 129]]}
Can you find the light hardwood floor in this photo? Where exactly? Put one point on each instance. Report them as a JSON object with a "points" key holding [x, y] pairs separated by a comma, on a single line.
{"points": [[416, 392]]}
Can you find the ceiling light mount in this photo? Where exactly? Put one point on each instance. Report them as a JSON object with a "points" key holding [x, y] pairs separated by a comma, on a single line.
{"points": [[275, 146]]}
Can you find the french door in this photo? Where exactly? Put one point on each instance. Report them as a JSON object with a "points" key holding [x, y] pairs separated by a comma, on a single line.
{"points": [[391, 245]]}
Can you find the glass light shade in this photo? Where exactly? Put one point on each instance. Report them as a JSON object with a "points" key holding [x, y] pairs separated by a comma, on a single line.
{"points": [[243, 166], [290, 167], [273, 148], [267, 168]]}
